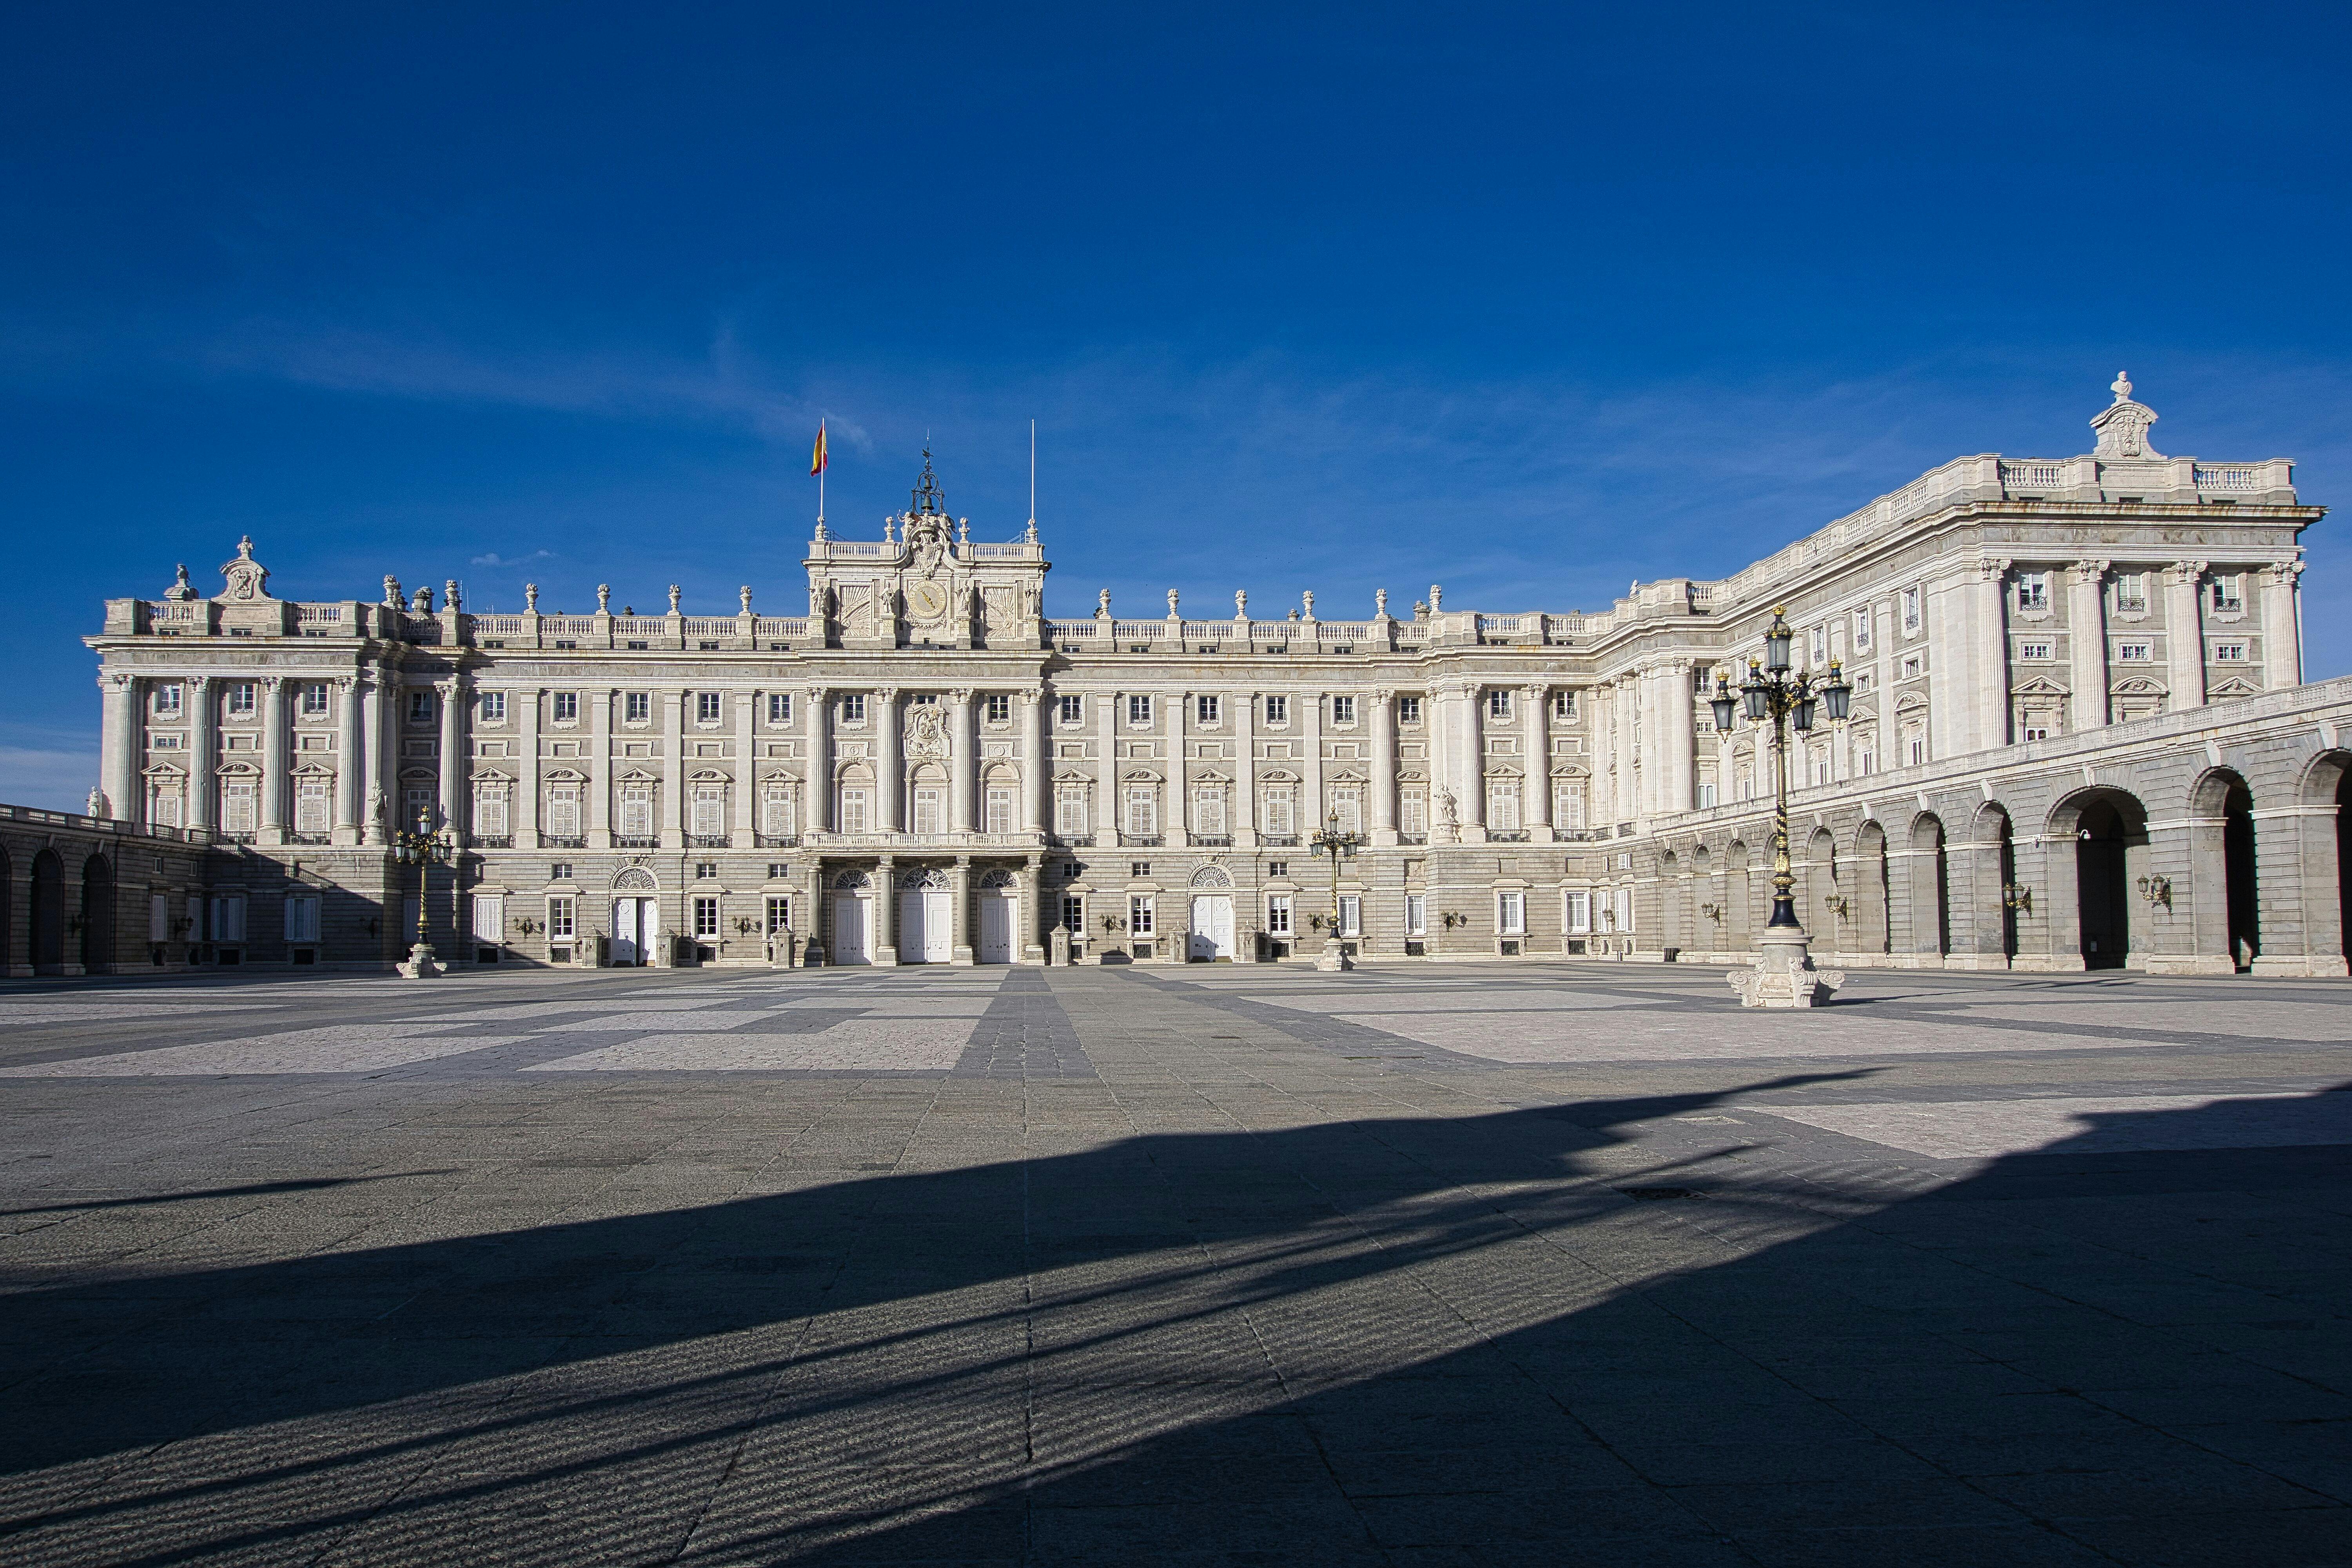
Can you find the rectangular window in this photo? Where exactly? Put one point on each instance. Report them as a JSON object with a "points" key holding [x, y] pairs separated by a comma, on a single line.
{"points": [[780, 912], [1916, 746], [1139, 710], [1070, 809], [167, 703], [310, 806], [302, 917], [780, 707], [239, 700], [1209, 810], [706, 917], [490, 705], [776, 812], [930, 811], [1511, 913], [1563, 704], [2229, 652], [1568, 806], [1578, 911], [637, 811], [706, 707], [1503, 806], [567, 706], [1348, 806], [1861, 630], [559, 871], [636, 707], [1866, 760], [1498, 703], [1205, 710], [1073, 914], [490, 811], [1624, 909], [240, 806], [1910, 609], [710, 810], [1277, 709], [1000, 708], [423, 809], [2229, 595], [1278, 914], [420, 706], [564, 811], [1138, 915], [2133, 652], [2031, 730], [1413, 813], [1278, 868], [1143, 809], [853, 708], [1706, 797], [1275, 810], [2131, 592], [1351, 914], [1820, 642], [562, 916], [2036, 650], [2033, 590], [1073, 709], [1000, 809], [1343, 710], [225, 921], [1911, 667], [1416, 915], [1408, 710], [314, 699], [853, 811]]}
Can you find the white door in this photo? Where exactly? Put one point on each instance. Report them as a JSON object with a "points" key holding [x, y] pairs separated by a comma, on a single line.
{"points": [[851, 934], [918, 933], [938, 945], [996, 926], [626, 939], [1212, 926], [489, 926]]}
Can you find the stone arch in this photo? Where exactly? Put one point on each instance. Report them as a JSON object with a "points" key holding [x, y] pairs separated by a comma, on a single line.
{"points": [[1212, 876], [1872, 933], [1986, 880], [1000, 877], [8, 909], [1820, 886], [2108, 830], [2325, 833], [48, 946], [851, 882], [922, 878], [634, 879], [1929, 895], [97, 915], [2221, 862], [1672, 891], [1738, 897]]}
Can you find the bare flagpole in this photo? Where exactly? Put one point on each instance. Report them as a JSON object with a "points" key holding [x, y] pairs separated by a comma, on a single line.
{"points": [[1032, 473]]}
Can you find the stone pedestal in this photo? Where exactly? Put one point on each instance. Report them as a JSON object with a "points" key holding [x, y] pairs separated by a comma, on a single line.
{"points": [[1334, 958], [1784, 975], [420, 964], [1060, 946]]}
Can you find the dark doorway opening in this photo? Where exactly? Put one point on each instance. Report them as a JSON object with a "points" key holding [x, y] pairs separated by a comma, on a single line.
{"points": [[2238, 866], [96, 916], [2101, 835], [48, 913]]}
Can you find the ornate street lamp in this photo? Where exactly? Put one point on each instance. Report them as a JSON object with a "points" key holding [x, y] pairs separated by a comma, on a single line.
{"points": [[421, 849], [1337, 846], [1778, 693]]}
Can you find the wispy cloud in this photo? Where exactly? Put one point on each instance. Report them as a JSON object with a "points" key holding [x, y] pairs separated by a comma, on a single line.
{"points": [[52, 768], [511, 562]]}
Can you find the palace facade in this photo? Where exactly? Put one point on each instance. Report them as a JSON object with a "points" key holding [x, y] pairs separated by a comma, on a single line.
{"points": [[924, 767]]}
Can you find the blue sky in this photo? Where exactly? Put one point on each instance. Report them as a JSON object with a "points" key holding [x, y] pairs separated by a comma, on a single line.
{"points": [[1532, 301]]}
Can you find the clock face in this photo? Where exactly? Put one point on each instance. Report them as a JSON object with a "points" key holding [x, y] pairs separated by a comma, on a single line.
{"points": [[926, 601]]}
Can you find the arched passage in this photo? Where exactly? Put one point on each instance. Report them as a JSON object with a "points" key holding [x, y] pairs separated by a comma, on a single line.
{"points": [[1821, 891], [2107, 826], [1928, 904], [7, 912], [1869, 894], [1739, 897], [48, 913], [1671, 891], [97, 915], [2239, 877]]}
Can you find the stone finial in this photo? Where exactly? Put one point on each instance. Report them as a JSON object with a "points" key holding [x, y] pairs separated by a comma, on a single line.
{"points": [[530, 598], [673, 598], [890, 531], [1102, 606], [2121, 386], [181, 588], [1241, 604], [604, 598], [1308, 598], [423, 603], [1029, 534], [1436, 600], [744, 593], [393, 596], [245, 578], [963, 531], [1379, 603], [1172, 604], [449, 594], [2123, 425]]}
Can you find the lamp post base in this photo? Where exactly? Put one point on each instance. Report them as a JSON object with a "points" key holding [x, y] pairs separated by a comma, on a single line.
{"points": [[1783, 975], [421, 964], [1334, 958]]}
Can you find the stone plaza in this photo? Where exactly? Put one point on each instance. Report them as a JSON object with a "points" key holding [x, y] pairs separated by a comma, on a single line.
{"points": [[1421, 1264]]}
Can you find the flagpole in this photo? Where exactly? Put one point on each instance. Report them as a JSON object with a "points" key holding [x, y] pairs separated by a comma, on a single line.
{"points": [[820, 472], [1032, 470]]}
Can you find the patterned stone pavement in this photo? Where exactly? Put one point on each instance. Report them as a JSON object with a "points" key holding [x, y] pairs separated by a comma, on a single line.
{"points": [[1411, 1266]]}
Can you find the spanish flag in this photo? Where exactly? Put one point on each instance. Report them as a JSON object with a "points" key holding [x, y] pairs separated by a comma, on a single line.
{"points": [[820, 459]]}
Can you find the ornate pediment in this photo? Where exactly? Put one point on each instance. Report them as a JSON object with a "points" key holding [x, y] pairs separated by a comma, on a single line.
{"points": [[2235, 686], [2123, 427], [2138, 686], [2039, 685]]}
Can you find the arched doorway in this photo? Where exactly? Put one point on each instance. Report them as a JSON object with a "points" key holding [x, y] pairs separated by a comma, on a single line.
{"points": [[96, 916], [2343, 858], [1870, 888], [1821, 893], [1000, 910], [48, 913], [1211, 931], [1738, 896], [2238, 876], [1670, 902], [2102, 891], [637, 918], [1930, 906]]}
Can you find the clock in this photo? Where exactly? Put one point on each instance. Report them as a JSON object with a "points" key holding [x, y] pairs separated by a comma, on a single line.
{"points": [[927, 601]]}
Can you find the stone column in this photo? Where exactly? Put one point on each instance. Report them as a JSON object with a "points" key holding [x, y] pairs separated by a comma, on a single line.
{"points": [[203, 747], [454, 813], [746, 770], [964, 770], [1312, 806], [670, 812], [2086, 644], [816, 782], [1036, 776], [1988, 628], [1032, 915], [372, 763], [1245, 769], [1382, 806], [889, 773], [346, 760], [1107, 821], [1175, 818], [274, 763], [1624, 737], [1470, 765], [1535, 786], [118, 769], [2184, 634], [886, 913], [600, 769], [1681, 738], [527, 784], [960, 884], [2281, 627]]}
